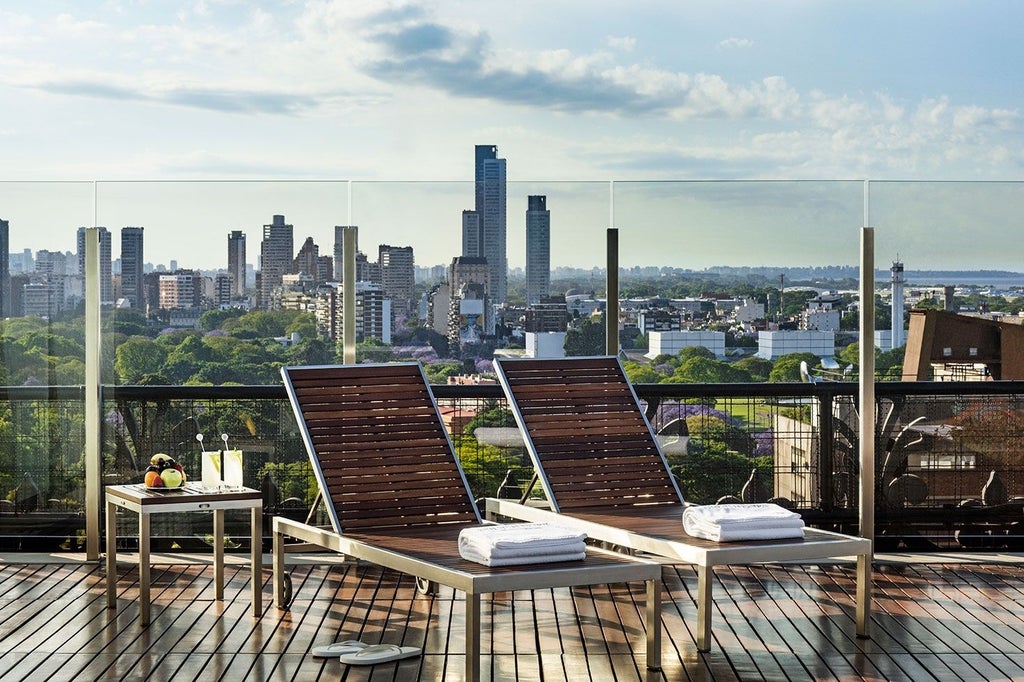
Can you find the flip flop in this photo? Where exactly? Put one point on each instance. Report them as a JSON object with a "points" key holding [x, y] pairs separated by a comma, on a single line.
{"points": [[379, 653], [349, 646]]}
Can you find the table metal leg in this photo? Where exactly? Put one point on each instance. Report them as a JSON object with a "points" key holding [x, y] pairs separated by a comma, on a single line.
{"points": [[144, 568], [863, 595], [256, 530], [704, 605], [472, 637], [218, 553], [111, 555]]}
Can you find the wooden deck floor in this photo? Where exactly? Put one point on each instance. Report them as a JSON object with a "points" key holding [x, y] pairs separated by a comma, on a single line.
{"points": [[945, 621]]}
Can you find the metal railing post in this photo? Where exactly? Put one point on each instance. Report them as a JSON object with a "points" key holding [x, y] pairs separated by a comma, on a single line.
{"points": [[93, 395], [866, 384], [611, 318], [827, 452]]}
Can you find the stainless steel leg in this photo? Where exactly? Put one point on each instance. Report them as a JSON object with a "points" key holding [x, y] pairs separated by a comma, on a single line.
{"points": [[704, 606], [144, 568], [111, 555], [472, 637], [256, 532], [863, 595]]}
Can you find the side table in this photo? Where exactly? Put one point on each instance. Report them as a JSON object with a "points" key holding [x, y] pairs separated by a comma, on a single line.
{"points": [[191, 498]]}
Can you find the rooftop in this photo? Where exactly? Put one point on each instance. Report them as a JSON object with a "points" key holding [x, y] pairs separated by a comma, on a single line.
{"points": [[950, 617]]}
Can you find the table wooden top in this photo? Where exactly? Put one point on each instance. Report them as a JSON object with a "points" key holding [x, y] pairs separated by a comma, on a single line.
{"points": [[138, 493]]}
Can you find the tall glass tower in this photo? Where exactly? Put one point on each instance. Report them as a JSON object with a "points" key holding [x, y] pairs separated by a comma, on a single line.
{"points": [[490, 205], [131, 266], [538, 249], [236, 262], [276, 257], [339, 250], [5, 269], [106, 273]]}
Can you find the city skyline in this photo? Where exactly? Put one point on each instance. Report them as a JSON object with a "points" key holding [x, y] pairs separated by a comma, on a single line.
{"points": [[391, 94]]}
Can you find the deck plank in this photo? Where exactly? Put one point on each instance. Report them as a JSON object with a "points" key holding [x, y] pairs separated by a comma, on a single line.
{"points": [[957, 621]]}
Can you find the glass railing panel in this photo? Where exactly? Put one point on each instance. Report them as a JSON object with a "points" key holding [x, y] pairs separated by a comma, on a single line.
{"points": [[957, 227], [41, 347], [742, 225], [189, 230]]}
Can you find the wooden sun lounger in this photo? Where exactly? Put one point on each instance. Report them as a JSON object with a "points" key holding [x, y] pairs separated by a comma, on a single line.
{"points": [[397, 497], [602, 471]]}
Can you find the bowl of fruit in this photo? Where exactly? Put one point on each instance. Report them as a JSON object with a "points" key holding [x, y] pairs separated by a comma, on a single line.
{"points": [[164, 473]]}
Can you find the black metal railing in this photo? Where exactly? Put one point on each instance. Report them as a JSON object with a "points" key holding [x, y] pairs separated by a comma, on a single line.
{"points": [[948, 466]]}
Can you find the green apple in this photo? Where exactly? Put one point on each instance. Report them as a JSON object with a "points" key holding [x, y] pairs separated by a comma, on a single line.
{"points": [[172, 478]]}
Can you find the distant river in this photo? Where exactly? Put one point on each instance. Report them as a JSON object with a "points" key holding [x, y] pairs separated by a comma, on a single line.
{"points": [[995, 281]]}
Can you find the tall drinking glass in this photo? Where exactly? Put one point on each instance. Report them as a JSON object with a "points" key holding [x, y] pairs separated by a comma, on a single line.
{"points": [[233, 469], [211, 470]]}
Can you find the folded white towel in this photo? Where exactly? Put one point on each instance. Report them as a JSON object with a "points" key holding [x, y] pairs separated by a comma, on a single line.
{"points": [[735, 522], [572, 546], [521, 543], [523, 559]]}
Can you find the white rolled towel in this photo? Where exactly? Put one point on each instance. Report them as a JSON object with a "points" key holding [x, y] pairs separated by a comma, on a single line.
{"points": [[521, 543], [736, 522]]}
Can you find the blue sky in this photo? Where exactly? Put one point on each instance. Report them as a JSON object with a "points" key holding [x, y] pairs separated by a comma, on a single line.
{"points": [[569, 91]]}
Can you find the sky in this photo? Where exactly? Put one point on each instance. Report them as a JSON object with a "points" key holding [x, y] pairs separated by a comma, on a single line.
{"points": [[707, 132]]}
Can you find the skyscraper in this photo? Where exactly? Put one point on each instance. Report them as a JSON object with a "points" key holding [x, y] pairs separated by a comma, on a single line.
{"points": [[538, 249], [398, 274], [5, 269], [131, 266], [305, 260], [471, 234], [236, 262], [276, 257], [490, 205], [339, 253], [106, 278]]}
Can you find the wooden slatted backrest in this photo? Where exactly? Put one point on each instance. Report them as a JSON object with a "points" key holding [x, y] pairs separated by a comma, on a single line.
{"points": [[378, 445], [587, 436]]}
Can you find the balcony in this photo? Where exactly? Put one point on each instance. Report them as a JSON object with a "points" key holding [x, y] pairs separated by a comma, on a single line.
{"points": [[948, 473]]}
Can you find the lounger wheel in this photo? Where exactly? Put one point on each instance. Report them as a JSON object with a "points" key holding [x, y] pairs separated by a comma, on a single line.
{"points": [[286, 589], [424, 586]]}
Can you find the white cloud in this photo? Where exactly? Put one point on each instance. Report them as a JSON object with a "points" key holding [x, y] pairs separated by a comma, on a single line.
{"points": [[736, 43], [325, 59], [622, 43]]}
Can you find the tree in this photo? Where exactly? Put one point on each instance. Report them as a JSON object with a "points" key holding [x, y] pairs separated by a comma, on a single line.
{"points": [[787, 367], [310, 351], [587, 339], [213, 319], [695, 352], [701, 370], [373, 350], [128, 322], [438, 372], [889, 364], [261, 324], [304, 325], [137, 357], [758, 368], [641, 374], [494, 416]]}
